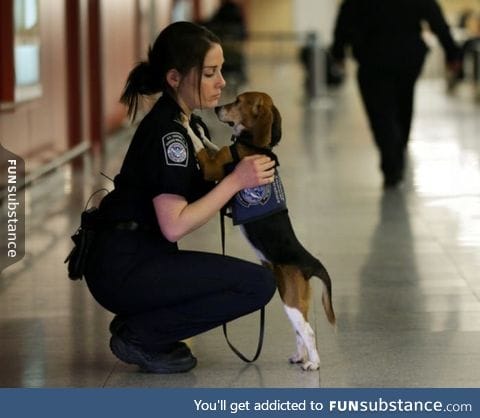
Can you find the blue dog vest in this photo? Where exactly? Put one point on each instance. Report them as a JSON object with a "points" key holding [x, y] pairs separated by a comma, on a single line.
{"points": [[258, 202]]}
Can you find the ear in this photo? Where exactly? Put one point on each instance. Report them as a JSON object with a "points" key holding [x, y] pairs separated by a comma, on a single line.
{"points": [[262, 131], [257, 105], [173, 78], [276, 127]]}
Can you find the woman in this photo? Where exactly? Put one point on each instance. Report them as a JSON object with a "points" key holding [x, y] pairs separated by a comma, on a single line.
{"points": [[161, 294]]}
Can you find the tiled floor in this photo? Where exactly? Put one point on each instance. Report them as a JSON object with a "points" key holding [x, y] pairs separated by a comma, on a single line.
{"points": [[404, 263]]}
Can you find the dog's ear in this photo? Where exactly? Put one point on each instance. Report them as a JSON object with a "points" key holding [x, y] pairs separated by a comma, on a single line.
{"points": [[257, 106], [276, 127], [262, 129]]}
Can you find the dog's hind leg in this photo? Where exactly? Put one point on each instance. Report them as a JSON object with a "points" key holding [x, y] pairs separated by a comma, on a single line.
{"points": [[301, 355], [306, 348], [295, 293]]}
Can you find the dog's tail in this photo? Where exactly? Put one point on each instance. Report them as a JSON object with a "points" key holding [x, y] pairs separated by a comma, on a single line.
{"points": [[321, 272]]}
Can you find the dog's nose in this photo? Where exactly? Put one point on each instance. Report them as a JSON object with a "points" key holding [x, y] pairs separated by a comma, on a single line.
{"points": [[217, 109]]}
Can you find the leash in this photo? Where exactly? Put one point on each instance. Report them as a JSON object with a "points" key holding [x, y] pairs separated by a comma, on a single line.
{"points": [[223, 213]]}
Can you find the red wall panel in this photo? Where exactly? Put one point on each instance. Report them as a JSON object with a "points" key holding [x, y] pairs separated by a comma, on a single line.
{"points": [[37, 129]]}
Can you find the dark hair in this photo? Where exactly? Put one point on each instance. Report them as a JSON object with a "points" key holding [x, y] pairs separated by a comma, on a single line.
{"points": [[180, 46]]}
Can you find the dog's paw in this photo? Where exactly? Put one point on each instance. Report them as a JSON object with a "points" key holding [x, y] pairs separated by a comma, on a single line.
{"points": [[183, 120], [201, 131], [211, 146], [206, 142], [310, 366], [297, 358]]}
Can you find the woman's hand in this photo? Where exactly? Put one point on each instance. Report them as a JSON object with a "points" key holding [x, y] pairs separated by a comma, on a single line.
{"points": [[253, 171]]}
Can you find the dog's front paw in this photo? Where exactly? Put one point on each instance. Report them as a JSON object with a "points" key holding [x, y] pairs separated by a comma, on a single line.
{"points": [[183, 120], [208, 144], [211, 146], [310, 366], [201, 131]]}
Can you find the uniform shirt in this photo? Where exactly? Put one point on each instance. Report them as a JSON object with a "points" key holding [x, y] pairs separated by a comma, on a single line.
{"points": [[160, 159], [386, 34]]}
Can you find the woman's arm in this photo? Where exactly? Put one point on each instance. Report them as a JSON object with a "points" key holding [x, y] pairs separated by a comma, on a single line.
{"points": [[177, 217]]}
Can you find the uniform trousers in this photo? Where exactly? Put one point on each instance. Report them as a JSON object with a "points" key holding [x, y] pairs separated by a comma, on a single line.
{"points": [[388, 97], [163, 294]]}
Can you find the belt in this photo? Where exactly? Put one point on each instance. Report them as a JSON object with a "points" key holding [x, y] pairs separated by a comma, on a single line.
{"points": [[131, 226]]}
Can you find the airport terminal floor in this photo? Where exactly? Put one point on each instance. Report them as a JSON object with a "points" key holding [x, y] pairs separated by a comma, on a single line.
{"points": [[404, 262]]}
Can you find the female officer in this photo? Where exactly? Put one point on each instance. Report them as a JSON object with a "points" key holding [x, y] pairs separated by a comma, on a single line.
{"points": [[159, 293]]}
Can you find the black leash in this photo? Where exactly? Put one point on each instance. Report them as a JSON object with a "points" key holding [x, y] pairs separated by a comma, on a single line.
{"points": [[223, 213]]}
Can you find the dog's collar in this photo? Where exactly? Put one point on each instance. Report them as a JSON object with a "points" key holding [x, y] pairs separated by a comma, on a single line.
{"points": [[245, 139]]}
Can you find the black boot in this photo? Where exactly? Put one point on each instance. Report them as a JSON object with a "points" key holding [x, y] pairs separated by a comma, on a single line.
{"points": [[176, 358]]}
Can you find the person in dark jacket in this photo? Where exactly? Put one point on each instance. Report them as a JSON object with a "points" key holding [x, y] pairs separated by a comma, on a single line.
{"points": [[386, 41], [160, 293], [228, 23]]}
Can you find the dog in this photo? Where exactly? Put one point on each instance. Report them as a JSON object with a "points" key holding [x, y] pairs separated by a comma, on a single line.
{"points": [[256, 124]]}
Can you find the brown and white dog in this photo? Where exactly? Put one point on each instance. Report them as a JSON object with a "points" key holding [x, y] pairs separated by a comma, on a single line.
{"points": [[257, 122]]}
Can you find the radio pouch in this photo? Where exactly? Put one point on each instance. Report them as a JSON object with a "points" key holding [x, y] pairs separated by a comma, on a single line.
{"points": [[83, 239]]}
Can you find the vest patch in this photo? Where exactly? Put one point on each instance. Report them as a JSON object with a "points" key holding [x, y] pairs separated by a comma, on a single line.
{"points": [[258, 202], [176, 149]]}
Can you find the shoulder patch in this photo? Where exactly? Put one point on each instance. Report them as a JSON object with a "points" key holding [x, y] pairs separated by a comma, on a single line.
{"points": [[175, 149]]}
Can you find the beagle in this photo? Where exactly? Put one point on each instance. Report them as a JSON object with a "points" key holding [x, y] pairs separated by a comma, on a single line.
{"points": [[256, 126]]}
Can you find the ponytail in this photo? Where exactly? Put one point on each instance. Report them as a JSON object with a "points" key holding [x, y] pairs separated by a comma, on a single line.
{"points": [[139, 82]]}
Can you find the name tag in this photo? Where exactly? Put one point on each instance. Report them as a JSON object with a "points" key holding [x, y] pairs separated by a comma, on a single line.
{"points": [[258, 202]]}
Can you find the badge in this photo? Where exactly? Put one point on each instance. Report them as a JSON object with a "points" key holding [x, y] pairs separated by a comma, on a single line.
{"points": [[258, 202], [254, 196], [176, 149]]}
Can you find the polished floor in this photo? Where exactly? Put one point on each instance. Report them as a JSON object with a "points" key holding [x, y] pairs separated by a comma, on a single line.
{"points": [[405, 263]]}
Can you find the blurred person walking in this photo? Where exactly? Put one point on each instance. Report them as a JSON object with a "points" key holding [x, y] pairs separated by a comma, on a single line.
{"points": [[228, 23], [386, 41]]}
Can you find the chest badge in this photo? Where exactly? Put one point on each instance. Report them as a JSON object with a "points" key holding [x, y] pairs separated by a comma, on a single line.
{"points": [[258, 202], [254, 196]]}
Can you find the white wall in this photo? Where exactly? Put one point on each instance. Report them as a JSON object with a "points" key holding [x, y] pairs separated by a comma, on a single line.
{"points": [[317, 15], [208, 7]]}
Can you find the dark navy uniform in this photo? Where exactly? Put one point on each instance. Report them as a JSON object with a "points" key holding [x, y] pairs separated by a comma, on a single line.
{"points": [[161, 293], [386, 41]]}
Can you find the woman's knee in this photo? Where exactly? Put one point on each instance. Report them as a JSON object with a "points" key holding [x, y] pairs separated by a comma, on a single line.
{"points": [[265, 285], [255, 282]]}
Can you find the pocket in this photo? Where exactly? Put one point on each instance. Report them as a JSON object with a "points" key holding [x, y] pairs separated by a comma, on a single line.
{"points": [[123, 242], [120, 254], [77, 259]]}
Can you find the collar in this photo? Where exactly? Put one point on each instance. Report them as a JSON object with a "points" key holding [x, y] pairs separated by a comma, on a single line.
{"points": [[246, 139], [168, 102], [170, 109]]}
